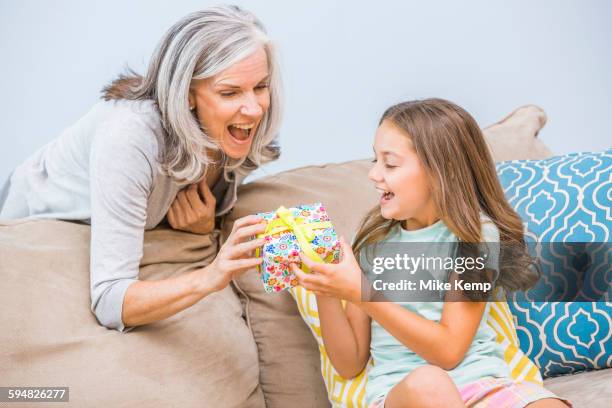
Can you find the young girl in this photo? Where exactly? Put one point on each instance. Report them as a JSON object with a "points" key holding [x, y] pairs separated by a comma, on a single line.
{"points": [[438, 184]]}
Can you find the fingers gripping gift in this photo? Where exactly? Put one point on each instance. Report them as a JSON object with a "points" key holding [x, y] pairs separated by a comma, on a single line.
{"points": [[305, 228]]}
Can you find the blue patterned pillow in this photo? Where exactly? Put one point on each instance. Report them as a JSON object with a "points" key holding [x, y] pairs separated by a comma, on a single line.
{"points": [[566, 206]]}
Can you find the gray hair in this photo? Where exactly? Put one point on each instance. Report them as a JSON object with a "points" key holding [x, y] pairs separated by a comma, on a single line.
{"points": [[199, 46]]}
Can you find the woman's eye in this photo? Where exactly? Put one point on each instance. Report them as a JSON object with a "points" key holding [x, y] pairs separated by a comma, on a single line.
{"points": [[262, 86], [227, 93]]}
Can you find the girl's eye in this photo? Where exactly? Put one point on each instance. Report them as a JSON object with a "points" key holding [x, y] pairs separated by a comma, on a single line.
{"points": [[387, 165], [227, 93]]}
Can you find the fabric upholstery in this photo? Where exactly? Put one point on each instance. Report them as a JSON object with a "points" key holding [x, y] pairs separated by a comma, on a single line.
{"points": [[204, 356]]}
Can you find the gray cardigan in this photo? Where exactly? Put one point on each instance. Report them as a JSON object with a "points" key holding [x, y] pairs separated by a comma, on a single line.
{"points": [[103, 170]]}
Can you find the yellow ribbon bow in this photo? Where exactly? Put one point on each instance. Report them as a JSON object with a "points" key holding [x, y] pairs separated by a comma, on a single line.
{"points": [[303, 232]]}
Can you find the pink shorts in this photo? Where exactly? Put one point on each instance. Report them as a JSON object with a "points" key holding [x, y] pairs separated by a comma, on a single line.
{"points": [[496, 393]]}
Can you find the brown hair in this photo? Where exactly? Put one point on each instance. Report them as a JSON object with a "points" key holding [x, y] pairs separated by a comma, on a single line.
{"points": [[456, 158]]}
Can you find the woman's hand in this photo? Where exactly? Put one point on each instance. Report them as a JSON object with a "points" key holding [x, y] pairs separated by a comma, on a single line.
{"points": [[193, 209], [342, 280], [151, 301], [236, 255]]}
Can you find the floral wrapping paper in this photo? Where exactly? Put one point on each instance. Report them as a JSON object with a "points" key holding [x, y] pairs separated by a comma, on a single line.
{"points": [[282, 245]]}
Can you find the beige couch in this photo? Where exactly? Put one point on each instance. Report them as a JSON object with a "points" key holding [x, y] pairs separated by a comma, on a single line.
{"points": [[237, 348]]}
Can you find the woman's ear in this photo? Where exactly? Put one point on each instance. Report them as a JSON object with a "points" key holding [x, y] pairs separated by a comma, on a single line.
{"points": [[192, 99]]}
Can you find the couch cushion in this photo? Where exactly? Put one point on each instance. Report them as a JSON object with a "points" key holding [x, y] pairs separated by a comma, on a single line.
{"points": [[514, 137], [203, 356], [587, 389], [565, 204]]}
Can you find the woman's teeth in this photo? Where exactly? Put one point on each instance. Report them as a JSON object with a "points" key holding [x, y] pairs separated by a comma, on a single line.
{"points": [[248, 126]]}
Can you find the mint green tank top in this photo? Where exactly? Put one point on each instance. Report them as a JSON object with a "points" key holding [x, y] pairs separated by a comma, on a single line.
{"points": [[393, 361]]}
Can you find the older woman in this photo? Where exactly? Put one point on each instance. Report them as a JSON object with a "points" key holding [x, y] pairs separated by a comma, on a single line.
{"points": [[175, 142]]}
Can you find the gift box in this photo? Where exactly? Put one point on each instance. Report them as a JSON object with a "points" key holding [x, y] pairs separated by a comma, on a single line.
{"points": [[305, 228]]}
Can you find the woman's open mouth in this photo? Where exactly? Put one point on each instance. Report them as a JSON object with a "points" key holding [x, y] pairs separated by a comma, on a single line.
{"points": [[241, 133]]}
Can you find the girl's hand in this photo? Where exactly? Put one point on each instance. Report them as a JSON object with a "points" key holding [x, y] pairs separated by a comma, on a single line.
{"points": [[193, 209], [236, 255], [342, 280]]}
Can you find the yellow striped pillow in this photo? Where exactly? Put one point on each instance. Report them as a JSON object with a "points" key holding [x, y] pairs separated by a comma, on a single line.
{"points": [[502, 322], [351, 393]]}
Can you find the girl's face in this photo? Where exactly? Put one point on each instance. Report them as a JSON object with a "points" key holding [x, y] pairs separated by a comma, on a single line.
{"points": [[401, 179], [231, 104]]}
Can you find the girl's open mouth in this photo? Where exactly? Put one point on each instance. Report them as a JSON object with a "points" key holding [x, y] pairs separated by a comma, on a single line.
{"points": [[385, 196]]}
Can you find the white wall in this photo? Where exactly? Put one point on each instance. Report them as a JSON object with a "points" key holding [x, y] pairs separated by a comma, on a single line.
{"points": [[342, 62]]}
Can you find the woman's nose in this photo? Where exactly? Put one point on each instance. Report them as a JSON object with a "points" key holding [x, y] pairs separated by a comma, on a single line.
{"points": [[251, 106]]}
